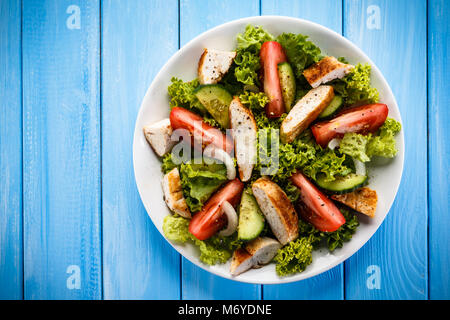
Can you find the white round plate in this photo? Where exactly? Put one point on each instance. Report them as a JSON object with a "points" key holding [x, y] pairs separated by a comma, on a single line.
{"points": [[384, 179]]}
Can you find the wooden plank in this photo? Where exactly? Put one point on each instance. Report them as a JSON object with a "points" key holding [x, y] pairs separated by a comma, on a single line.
{"points": [[11, 271], [61, 143], [438, 148], [137, 39], [330, 284], [393, 264], [325, 12], [195, 18]]}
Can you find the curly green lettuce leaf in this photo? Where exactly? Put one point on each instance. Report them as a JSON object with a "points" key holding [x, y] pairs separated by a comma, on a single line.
{"points": [[182, 95], [294, 257], [268, 151], [298, 154], [199, 181], [229, 243], [332, 240], [176, 228], [212, 255], [345, 233], [252, 38], [364, 147], [300, 52], [262, 122], [247, 54], [302, 154], [247, 66], [329, 163], [383, 145], [243, 74], [168, 163], [307, 230], [288, 161], [355, 87], [354, 145], [290, 189], [230, 83], [212, 251], [255, 101]]}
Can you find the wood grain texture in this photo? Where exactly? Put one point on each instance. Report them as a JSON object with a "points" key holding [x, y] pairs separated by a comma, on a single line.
{"points": [[196, 17], [328, 285], [11, 254], [61, 142], [137, 39], [325, 12], [438, 147], [398, 48]]}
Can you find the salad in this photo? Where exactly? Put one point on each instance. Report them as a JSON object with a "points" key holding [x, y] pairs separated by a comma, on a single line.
{"points": [[264, 154]]}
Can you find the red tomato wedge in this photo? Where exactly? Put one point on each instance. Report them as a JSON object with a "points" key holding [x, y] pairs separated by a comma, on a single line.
{"points": [[363, 119], [316, 208], [271, 55], [211, 218], [202, 132]]}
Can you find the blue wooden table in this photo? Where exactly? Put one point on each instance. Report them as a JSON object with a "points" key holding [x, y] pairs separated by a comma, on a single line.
{"points": [[72, 77]]}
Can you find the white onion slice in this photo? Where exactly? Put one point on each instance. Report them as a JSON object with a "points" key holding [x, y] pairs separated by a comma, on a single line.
{"points": [[334, 143], [221, 155], [360, 167], [232, 218]]}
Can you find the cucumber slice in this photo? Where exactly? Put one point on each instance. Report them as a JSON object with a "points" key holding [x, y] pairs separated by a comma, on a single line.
{"points": [[331, 109], [216, 99], [345, 184], [287, 84], [251, 219]]}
